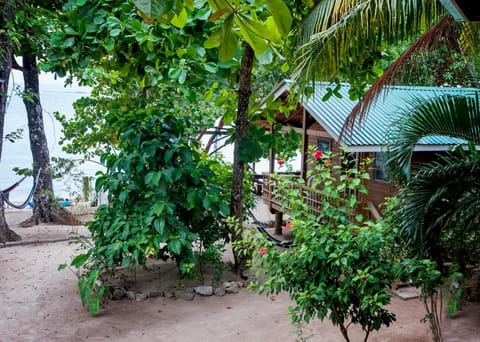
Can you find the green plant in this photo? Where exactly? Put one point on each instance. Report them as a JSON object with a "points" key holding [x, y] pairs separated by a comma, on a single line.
{"points": [[163, 198], [212, 255], [340, 263]]}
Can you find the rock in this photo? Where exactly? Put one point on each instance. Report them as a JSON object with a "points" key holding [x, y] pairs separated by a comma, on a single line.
{"points": [[219, 291], [168, 293], [231, 287], [203, 290], [140, 297], [186, 294], [130, 295], [118, 293]]}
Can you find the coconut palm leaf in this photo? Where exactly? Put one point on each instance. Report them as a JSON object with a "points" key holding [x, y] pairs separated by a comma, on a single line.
{"points": [[337, 32], [447, 115], [443, 195], [461, 37]]}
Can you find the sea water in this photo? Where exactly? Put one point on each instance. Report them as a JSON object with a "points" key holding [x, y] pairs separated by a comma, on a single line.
{"points": [[54, 97]]}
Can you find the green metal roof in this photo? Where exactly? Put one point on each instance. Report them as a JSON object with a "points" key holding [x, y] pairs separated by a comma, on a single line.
{"points": [[372, 132]]}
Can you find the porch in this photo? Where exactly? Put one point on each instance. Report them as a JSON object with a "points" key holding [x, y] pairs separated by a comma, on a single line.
{"points": [[276, 197]]}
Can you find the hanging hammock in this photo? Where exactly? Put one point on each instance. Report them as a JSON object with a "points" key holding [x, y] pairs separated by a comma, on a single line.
{"points": [[5, 193], [261, 229]]}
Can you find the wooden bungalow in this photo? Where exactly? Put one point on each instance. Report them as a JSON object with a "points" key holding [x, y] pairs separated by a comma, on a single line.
{"points": [[321, 122]]}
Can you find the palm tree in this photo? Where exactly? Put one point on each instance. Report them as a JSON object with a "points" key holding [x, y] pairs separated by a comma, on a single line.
{"points": [[346, 38], [443, 196]]}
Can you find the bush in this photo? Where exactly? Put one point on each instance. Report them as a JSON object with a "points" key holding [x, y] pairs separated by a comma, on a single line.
{"points": [[164, 196], [340, 264]]}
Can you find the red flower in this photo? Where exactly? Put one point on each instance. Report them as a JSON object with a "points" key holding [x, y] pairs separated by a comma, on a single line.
{"points": [[262, 251], [318, 154], [288, 225], [280, 161], [328, 162]]}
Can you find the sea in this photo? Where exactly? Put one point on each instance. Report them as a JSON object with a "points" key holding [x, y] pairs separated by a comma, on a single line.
{"points": [[55, 96]]}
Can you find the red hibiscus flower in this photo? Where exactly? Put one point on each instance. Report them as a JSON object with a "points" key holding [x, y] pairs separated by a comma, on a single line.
{"points": [[318, 154], [288, 226], [280, 161]]}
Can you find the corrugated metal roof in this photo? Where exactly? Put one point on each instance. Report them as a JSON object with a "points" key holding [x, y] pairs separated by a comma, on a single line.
{"points": [[390, 107]]}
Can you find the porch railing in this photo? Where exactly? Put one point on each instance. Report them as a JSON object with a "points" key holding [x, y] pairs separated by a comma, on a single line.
{"points": [[276, 197]]}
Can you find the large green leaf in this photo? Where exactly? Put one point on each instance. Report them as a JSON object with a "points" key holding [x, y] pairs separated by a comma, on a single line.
{"points": [[229, 40], [251, 36], [281, 15], [155, 8]]}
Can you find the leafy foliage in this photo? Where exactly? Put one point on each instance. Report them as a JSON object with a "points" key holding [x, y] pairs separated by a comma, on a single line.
{"points": [[351, 35], [340, 263], [162, 195], [454, 116], [165, 195]]}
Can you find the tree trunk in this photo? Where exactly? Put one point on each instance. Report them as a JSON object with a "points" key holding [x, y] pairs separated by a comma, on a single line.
{"points": [[6, 234], [241, 128], [45, 208]]}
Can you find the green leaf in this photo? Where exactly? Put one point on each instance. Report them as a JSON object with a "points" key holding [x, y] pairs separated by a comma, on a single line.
{"points": [[182, 77], [266, 57], [155, 8], [175, 246], [174, 73], [257, 27], [81, 2], [79, 260], [61, 267], [94, 306], [126, 262], [214, 40], [68, 42], [158, 208], [281, 15], [452, 307], [229, 40], [211, 67], [180, 20], [252, 37]]}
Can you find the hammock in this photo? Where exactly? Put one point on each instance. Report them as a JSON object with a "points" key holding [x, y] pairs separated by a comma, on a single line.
{"points": [[6, 193], [261, 228]]}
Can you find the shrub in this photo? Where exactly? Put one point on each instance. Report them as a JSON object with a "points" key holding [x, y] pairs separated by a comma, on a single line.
{"points": [[340, 264], [164, 196]]}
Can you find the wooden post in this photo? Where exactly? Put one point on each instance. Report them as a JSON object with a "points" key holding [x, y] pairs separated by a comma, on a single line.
{"points": [[304, 145], [278, 222]]}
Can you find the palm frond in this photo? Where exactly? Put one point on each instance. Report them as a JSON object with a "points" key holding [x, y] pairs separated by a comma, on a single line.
{"points": [[442, 195], [446, 115], [443, 32], [337, 32]]}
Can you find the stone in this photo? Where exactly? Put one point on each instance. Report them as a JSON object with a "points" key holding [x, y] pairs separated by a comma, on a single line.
{"points": [[118, 293], [203, 290], [168, 293], [186, 294], [130, 295], [231, 287], [140, 297], [219, 291]]}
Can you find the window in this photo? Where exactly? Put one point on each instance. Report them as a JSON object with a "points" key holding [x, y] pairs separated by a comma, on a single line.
{"points": [[380, 162], [324, 145]]}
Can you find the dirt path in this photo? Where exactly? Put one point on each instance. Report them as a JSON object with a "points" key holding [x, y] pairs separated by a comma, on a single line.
{"points": [[39, 303]]}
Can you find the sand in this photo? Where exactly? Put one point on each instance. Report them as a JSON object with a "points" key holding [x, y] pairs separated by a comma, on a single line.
{"points": [[40, 303]]}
